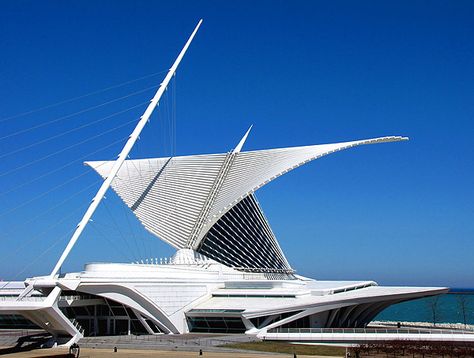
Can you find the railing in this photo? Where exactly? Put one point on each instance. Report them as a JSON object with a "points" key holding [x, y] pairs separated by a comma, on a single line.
{"points": [[170, 261], [42, 298], [26, 298], [78, 297], [77, 325], [369, 330]]}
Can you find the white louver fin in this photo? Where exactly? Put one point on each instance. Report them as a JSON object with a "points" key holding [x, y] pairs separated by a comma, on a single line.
{"points": [[252, 170], [243, 239], [168, 194]]}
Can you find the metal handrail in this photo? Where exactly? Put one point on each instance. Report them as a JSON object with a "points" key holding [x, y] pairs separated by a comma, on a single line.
{"points": [[77, 325], [78, 297], [369, 330], [25, 298]]}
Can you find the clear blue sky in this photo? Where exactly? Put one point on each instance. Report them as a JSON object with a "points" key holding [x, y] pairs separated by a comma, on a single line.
{"points": [[303, 72]]}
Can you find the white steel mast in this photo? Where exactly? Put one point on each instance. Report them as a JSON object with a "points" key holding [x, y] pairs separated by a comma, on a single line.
{"points": [[123, 155]]}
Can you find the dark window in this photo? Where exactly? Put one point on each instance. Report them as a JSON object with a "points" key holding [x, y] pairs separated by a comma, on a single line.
{"points": [[15, 321], [216, 324]]}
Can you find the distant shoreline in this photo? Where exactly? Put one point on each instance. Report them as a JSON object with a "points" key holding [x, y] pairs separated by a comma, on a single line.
{"points": [[461, 291]]}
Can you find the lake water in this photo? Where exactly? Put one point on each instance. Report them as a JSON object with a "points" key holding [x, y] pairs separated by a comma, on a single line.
{"points": [[448, 309]]}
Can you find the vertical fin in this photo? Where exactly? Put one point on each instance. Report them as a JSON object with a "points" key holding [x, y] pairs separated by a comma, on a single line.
{"points": [[242, 141]]}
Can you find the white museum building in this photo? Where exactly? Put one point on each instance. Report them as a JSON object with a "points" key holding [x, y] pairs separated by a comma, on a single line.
{"points": [[228, 275]]}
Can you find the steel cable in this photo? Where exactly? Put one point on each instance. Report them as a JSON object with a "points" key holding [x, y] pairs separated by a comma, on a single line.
{"points": [[79, 97], [68, 116]]}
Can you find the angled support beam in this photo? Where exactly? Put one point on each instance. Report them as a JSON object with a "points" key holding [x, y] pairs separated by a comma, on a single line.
{"points": [[122, 156]]}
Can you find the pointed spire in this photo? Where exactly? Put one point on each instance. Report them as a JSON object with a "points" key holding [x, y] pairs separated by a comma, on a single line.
{"points": [[242, 141]]}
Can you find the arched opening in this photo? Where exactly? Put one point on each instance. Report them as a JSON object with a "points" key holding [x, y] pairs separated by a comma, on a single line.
{"points": [[99, 316]]}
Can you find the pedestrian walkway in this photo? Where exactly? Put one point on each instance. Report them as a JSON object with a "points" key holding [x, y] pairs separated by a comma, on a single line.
{"points": [[135, 353]]}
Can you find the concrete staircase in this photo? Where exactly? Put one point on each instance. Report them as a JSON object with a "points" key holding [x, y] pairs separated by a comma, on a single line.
{"points": [[181, 342]]}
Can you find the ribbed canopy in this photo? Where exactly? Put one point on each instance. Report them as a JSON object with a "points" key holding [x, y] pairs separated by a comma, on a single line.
{"points": [[179, 199]]}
